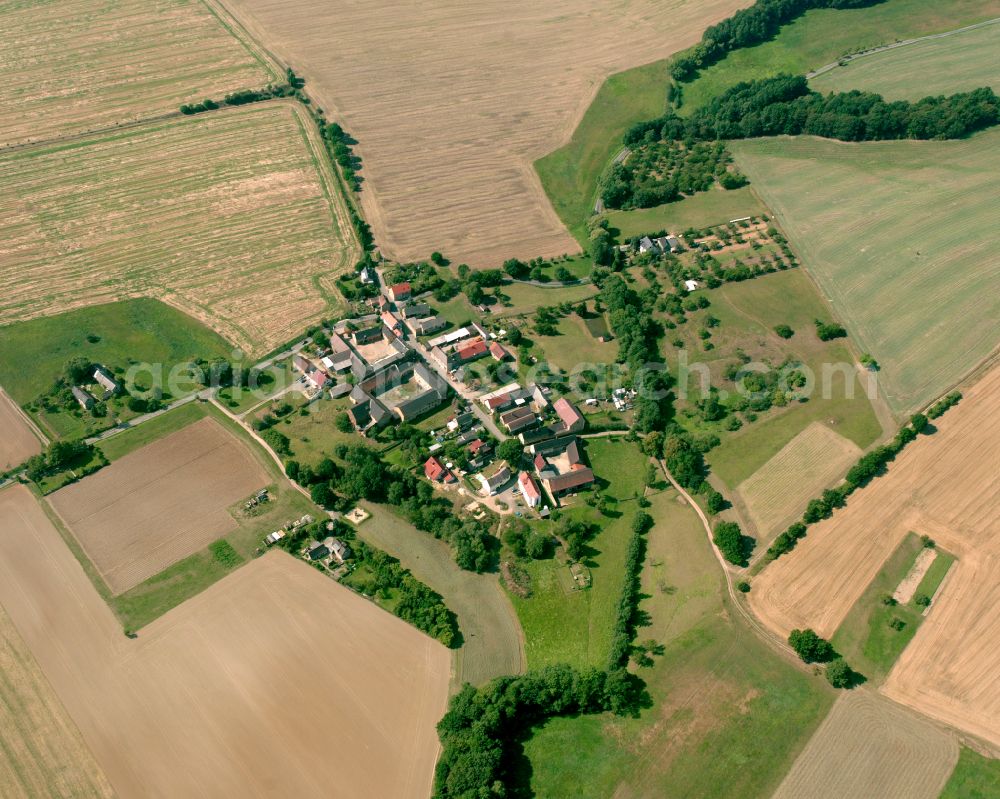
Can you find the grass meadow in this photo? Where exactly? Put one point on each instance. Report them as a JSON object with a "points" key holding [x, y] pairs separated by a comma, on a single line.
{"points": [[900, 237], [865, 638], [231, 216], [569, 175], [748, 312], [821, 36], [974, 777], [727, 717], [960, 62], [701, 210]]}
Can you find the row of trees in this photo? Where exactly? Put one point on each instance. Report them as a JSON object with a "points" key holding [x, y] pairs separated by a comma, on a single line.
{"points": [[628, 603], [871, 465], [749, 26], [482, 731], [60, 456], [813, 649], [242, 97]]}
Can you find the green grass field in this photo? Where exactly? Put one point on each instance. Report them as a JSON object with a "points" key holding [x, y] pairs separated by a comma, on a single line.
{"points": [[901, 238], [702, 210], [728, 717], [33, 353], [569, 175], [526, 297], [865, 638], [748, 312], [173, 420], [954, 63], [821, 36], [573, 346], [565, 626], [974, 777]]}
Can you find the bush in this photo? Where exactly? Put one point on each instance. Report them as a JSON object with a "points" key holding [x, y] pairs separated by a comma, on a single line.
{"points": [[840, 675], [810, 647], [743, 587], [784, 331], [827, 331], [224, 554], [734, 546]]}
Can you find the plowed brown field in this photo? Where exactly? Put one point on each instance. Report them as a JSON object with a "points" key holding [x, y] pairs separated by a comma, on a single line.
{"points": [[452, 102], [79, 65], [17, 442], [160, 503], [230, 216], [273, 682], [946, 485]]}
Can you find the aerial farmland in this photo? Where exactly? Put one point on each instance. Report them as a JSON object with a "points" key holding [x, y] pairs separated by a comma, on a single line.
{"points": [[479, 401]]}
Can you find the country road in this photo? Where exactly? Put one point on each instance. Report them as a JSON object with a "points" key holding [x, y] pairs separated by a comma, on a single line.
{"points": [[906, 42]]}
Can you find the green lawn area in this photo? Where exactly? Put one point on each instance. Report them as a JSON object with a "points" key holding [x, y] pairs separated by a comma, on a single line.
{"points": [[32, 353], [273, 379], [573, 346], [313, 435], [526, 297], [714, 207], [974, 777], [821, 36], [146, 433], [901, 238], [955, 63], [748, 312], [566, 626], [865, 638], [569, 175], [728, 716]]}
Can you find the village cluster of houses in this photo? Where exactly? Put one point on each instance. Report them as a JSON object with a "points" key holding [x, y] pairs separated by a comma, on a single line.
{"points": [[658, 246], [458, 348], [104, 387]]}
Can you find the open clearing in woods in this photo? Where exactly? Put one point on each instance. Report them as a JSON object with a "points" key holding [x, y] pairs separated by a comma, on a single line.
{"points": [[230, 216], [43, 753], [947, 486], [462, 98], [867, 746], [273, 676], [79, 65], [161, 503], [778, 492], [17, 442]]}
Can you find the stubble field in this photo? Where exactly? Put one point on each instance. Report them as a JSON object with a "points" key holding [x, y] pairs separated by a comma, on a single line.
{"points": [[161, 503], [17, 442], [947, 486], [867, 746], [777, 493], [79, 65], [275, 676], [230, 217], [460, 101], [43, 753]]}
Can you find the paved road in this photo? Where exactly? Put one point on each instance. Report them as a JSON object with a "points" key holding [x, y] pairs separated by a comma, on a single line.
{"points": [[894, 45]]}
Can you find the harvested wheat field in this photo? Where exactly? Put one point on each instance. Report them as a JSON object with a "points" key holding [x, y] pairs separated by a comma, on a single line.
{"points": [[867, 746], [273, 682], [462, 98], [777, 493], [160, 503], [17, 441], [230, 216], [79, 65], [946, 485], [43, 753]]}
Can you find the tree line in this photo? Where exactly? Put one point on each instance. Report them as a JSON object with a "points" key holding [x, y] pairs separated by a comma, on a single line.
{"points": [[628, 603], [785, 105], [749, 26], [871, 465]]}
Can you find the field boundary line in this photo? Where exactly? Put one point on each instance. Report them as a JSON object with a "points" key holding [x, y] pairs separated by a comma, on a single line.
{"points": [[35, 429], [895, 46], [235, 28]]}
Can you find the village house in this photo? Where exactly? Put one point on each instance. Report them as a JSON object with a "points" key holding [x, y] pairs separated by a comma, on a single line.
{"points": [[435, 471], [399, 292], [499, 353], [392, 323], [104, 379], [415, 310], [570, 419], [560, 467], [422, 326], [529, 490], [691, 285], [86, 401], [338, 549], [494, 476], [518, 419], [367, 335]]}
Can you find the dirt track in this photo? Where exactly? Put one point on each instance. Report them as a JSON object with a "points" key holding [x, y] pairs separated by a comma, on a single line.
{"points": [[160, 503], [461, 98], [273, 682], [947, 486]]}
